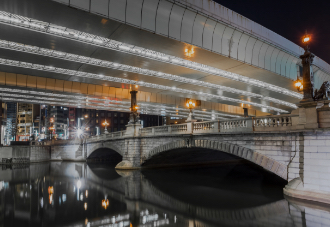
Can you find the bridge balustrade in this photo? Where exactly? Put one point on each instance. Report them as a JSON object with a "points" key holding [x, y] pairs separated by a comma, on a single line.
{"points": [[179, 129], [237, 125], [208, 126], [273, 121], [163, 130], [282, 122]]}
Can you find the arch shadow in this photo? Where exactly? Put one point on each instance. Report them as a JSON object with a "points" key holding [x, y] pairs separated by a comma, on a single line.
{"points": [[104, 154], [233, 149]]}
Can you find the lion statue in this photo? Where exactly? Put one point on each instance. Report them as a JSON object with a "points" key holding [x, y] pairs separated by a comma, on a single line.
{"points": [[323, 92]]}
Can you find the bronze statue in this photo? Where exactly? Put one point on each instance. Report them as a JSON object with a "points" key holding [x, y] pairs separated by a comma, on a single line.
{"points": [[323, 93]]}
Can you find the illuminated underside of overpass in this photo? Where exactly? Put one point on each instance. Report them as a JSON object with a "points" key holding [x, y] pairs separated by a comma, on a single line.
{"points": [[57, 53]]}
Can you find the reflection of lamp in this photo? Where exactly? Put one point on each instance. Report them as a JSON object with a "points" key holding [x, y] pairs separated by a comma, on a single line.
{"points": [[105, 203], [85, 206], [189, 53], [78, 184], [50, 192]]}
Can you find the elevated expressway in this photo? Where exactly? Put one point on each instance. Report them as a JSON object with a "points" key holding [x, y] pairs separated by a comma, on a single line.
{"points": [[88, 53]]}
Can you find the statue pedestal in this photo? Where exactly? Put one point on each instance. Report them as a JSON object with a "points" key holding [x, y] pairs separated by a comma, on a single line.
{"points": [[308, 116], [324, 114], [191, 118], [133, 129]]}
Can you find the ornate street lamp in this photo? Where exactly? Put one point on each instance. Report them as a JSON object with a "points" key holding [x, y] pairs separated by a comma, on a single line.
{"points": [[308, 78], [105, 124], [134, 116], [191, 105]]}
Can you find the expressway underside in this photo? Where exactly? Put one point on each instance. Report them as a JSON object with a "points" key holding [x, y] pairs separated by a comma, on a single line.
{"points": [[110, 72]]}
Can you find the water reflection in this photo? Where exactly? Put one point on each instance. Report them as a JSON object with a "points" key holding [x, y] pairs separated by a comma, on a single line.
{"points": [[81, 195]]}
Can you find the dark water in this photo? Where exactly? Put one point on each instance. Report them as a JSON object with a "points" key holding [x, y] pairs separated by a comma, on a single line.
{"points": [[79, 195]]}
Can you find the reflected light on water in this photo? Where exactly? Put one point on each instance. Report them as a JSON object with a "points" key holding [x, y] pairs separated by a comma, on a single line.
{"points": [[105, 203], [189, 197]]}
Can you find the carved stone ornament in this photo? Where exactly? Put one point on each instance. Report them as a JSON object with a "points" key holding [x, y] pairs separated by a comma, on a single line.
{"points": [[323, 93]]}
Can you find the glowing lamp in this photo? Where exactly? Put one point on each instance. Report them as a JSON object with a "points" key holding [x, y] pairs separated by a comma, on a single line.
{"points": [[190, 104], [299, 85], [79, 132], [306, 39], [105, 123]]}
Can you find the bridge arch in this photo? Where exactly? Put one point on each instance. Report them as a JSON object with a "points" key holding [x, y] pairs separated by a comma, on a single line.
{"points": [[262, 160], [92, 148]]}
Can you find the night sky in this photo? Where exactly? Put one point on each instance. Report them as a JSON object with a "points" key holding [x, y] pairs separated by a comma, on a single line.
{"points": [[290, 19]]}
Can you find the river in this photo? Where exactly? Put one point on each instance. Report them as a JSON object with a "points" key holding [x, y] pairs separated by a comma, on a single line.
{"points": [[85, 195]]}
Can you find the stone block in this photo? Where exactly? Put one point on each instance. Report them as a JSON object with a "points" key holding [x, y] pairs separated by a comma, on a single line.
{"points": [[249, 154], [259, 159], [311, 149], [264, 162], [254, 157], [317, 142], [270, 164], [323, 150], [311, 186], [281, 170]]}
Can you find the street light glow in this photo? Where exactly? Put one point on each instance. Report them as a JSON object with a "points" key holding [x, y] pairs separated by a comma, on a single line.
{"points": [[79, 132], [306, 39]]}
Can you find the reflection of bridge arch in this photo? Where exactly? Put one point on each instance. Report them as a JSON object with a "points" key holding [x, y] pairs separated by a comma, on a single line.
{"points": [[132, 189], [245, 214], [239, 151]]}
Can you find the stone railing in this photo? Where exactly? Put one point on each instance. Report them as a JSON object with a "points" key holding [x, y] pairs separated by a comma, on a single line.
{"points": [[206, 126], [237, 125], [106, 136], [275, 123], [179, 129], [164, 130]]}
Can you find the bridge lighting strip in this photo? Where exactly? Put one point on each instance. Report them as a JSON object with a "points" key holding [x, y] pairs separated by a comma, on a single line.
{"points": [[126, 81], [47, 28], [112, 65], [185, 109], [106, 101], [103, 105], [59, 103]]}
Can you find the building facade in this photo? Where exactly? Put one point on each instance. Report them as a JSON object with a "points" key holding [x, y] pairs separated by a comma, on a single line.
{"points": [[26, 118]]}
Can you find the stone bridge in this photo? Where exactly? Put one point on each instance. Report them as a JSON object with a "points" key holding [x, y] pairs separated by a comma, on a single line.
{"points": [[283, 145], [289, 146]]}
